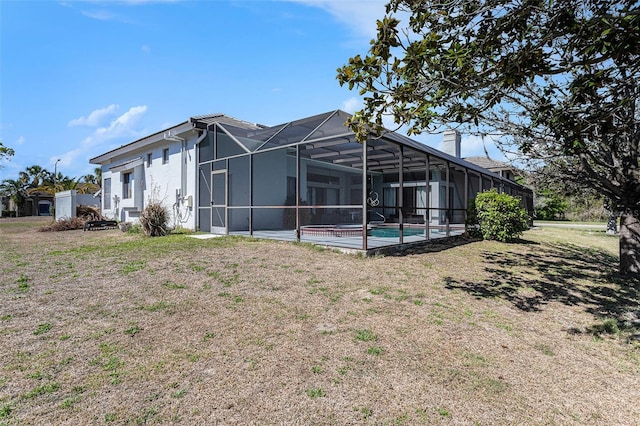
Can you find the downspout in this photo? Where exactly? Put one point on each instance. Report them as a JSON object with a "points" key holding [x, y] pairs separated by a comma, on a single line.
{"points": [[183, 170]]}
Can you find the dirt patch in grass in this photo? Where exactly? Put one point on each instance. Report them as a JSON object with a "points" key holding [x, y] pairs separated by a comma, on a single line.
{"points": [[106, 327]]}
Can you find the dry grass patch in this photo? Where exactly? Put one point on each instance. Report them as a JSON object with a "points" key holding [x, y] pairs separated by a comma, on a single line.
{"points": [[107, 327]]}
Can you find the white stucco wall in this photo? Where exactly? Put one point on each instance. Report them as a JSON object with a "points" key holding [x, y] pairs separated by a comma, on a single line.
{"points": [[154, 182], [68, 201], [65, 205]]}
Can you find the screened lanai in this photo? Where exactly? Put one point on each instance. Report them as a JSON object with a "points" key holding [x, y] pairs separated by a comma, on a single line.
{"points": [[309, 180]]}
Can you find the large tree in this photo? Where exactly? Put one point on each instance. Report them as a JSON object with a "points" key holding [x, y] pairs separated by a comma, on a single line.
{"points": [[557, 81]]}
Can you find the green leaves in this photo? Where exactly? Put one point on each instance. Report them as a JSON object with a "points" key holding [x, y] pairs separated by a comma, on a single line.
{"points": [[557, 79], [5, 152], [500, 216]]}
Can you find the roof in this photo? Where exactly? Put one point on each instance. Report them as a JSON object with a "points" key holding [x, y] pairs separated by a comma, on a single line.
{"points": [[127, 165], [325, 137], [489, 163], [204, 120]]}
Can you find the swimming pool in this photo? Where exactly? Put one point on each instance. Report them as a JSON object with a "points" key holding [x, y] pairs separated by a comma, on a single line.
{"points": [[383, 232]]}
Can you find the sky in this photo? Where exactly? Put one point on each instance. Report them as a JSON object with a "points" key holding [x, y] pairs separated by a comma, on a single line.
{"points": [[79, 78]]}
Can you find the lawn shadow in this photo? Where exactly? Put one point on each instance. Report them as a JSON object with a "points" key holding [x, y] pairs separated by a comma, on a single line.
{"points": [[564, 273], [427, 246]]}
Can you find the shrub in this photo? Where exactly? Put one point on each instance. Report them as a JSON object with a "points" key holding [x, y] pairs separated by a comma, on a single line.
{"points": [[63, 225], [135, 228], [500, 216], [154, 219], [550, 206]]}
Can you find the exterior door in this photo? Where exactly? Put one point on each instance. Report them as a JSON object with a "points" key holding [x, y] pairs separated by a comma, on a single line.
{"points": [[219, 202]]}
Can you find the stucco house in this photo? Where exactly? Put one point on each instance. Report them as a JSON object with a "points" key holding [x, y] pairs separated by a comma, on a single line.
{"points": [[307, 180], [35, 204]]}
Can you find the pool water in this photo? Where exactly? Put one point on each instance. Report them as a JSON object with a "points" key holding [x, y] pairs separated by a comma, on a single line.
{"points": [[394, 232]]}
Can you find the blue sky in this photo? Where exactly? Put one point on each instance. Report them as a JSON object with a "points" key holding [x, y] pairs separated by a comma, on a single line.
{"points": [[79, 78]]}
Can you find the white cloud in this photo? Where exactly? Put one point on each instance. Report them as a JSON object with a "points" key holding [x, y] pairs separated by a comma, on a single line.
{"points": [[123, 127], [101, 15], [68, 159], [360, 16], [138, 2], [96, 117], [472, 146], [21, 140], [351, 105]]}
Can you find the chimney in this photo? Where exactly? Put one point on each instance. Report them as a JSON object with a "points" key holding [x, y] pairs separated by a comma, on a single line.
{"points": [[451, 143]]}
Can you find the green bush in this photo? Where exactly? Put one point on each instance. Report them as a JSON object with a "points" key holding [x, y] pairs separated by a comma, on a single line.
{"points": [[550, 206], [135, 228], [154, 219], [500, 216]]}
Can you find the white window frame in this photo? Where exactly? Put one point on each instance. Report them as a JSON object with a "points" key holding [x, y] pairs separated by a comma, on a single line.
{"points": [[127, 185], [106, 190]]}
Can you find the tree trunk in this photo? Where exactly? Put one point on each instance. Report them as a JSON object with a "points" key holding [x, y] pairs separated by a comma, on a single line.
{"points": [[630, 243]]}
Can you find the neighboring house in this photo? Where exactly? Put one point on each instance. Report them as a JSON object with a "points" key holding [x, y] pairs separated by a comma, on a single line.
{"points": [[39, 205], [307, 180], [500, 168], [36, 204]]}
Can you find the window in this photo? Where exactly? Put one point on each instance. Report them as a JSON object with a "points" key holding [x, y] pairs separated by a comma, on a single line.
{"points": [[165, 156], [149, 159], [126, 185], [106, 191]]}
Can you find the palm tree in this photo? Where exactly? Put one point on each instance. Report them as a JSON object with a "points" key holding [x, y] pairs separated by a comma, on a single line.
{"points": [[94, 178], [14, 189], [35, 176], [98, 172], [80, 185]]}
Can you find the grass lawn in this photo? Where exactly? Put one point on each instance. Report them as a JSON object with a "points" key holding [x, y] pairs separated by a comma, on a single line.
{"points": [[105, 327]]}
